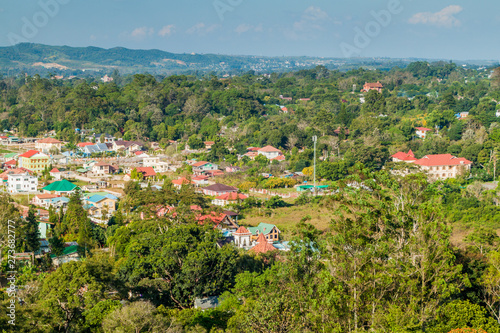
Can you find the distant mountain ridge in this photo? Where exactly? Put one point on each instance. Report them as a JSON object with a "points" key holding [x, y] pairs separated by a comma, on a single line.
{"points": [[33, 58]]}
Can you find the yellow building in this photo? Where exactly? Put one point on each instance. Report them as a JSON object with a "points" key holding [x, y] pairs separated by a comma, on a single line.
{"points": [[33, 160]]}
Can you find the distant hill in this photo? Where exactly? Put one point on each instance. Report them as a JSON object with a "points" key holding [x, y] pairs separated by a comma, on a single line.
{"points": [[37, 58]]}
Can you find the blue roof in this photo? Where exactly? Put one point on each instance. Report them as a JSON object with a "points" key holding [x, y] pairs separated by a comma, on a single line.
{"points": [[58, 199], [96, 198]]}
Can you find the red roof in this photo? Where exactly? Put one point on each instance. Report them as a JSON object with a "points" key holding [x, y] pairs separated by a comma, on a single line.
{"points": [[209, 143], [442, 159], [423, 129], [11, 162], [405, 156], [253, 148], [147, 171], [213, 216], [278, 158], [47, 196], [29, 153], [48, 140], [139, 152], [54, 170], [242, 231], [262, 245], [269, 149], [232, 196], [84, 144]]}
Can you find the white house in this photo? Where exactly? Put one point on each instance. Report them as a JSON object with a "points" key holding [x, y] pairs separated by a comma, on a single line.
{"points": [[269, 152], [228, 199], [242, 238], [155, 163], [202, 166], [421, 132], [22, 183]]}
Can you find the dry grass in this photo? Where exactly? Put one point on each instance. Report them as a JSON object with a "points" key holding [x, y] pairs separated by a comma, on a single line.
{"points": [[288, 217]]}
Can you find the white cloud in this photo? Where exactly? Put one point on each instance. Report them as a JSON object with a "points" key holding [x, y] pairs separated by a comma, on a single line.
{"points": [[201, 29], [443, 18], [142, 32], [312, 20], [166, 30], [242, 28]]}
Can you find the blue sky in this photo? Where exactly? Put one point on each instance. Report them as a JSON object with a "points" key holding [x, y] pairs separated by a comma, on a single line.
{"points": [[456, 29]]}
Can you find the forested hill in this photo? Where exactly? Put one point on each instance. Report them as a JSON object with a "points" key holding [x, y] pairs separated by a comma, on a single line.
{"points": [[37, 58]]}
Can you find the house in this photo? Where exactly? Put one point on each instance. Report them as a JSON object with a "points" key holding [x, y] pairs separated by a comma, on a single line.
{"points": [[43, 200], [200, 180], [61, 187], [127, 146], [22, 183], [208, 144], [213, 173], [286, 98], [221, 221], [58, 202], [33, 160], [404, 157], [55, 173], [421, 132], [104, 206], [228, 199], [95, 148], [84, 144], [462, 115], [178, 183], [444, 166], [102, 169], [97, 138], [270, 152], [251, 154], [147, 172], [48, 144], [377, 86], [106, 79], [70, 253], [200, 167], [218, 189], [233, 169], [270, 231], [242, 237], [262, 245], [10, 164]]}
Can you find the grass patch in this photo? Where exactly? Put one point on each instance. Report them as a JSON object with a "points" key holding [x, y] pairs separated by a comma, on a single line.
{"points": [[22, 199]]}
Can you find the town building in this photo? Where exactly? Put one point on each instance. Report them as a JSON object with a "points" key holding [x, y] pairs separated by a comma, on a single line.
{"points": [[22, 183], [33, 160], [202, 166], [444, 166], [61, 187], [103, 169], [47, 145], [242, 238], [262, 245], [404, 157], [377, 86], [228, 199], [270, 231]]}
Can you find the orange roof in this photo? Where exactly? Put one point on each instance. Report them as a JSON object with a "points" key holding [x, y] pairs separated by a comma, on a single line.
{"points": [[54, 170], [208, 143], [181, 181], [374, 85], [442, 159], [232, 196], [269, 149], [262, 245], [13, 162], [405, 156], [253, 148], [84, 144], [48, 140], [17, 171], [213, 216], [29, 153], [278, 158], [47, 196], [242, 231], [201, 163], [251, 153]]}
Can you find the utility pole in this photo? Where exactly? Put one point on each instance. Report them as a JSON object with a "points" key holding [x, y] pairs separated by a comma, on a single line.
{"points": [[315, 139]]}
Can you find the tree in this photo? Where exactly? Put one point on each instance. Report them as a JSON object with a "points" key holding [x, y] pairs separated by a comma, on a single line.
{"points": [[56, 245], [32, 233]]}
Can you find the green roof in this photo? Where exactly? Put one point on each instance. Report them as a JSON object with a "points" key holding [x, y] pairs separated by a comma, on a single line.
{"points": [[10, 155], [263, 228], [83, 169], [68, 250], [60, 186]]}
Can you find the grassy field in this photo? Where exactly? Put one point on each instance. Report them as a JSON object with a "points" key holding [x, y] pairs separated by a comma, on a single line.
{"points": [[22, 199], [286, 218]]}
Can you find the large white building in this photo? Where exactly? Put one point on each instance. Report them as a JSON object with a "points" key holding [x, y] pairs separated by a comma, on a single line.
{"points": [[22, 183]]}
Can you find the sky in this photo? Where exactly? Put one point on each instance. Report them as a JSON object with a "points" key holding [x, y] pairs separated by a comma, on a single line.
{"points": [[454, 30]]}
